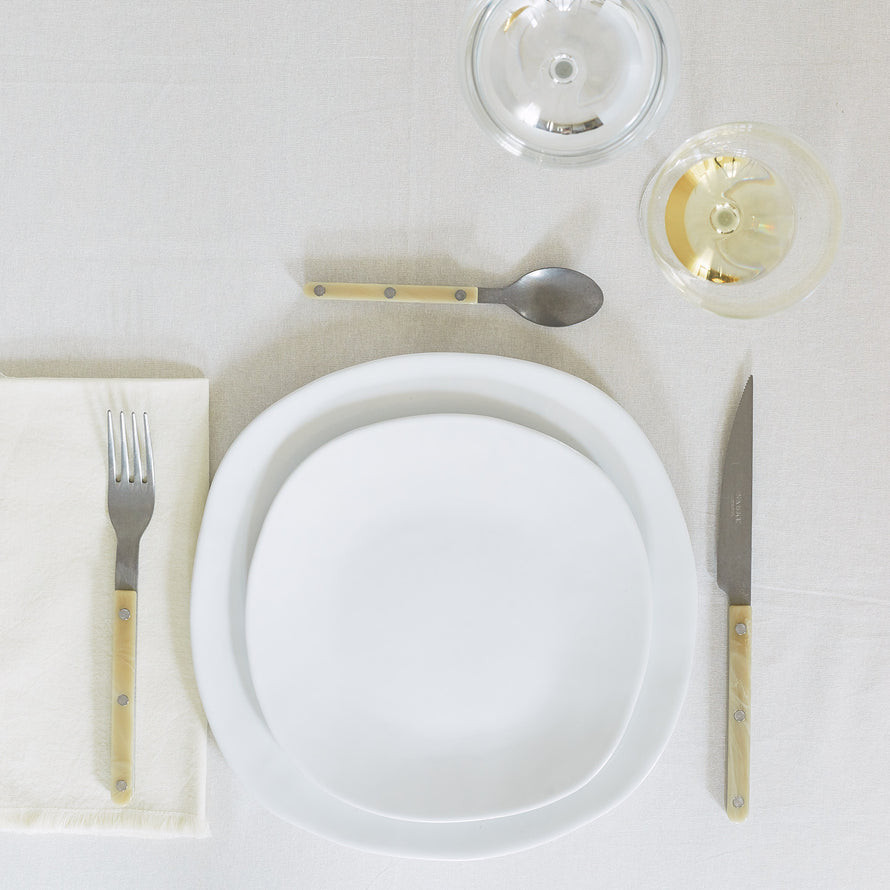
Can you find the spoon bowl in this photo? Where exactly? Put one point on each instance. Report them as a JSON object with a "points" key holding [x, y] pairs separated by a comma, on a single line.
{"points": [[553, 297]]}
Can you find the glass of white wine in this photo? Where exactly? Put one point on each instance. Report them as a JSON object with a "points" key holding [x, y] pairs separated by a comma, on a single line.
{"points": [[743, 219]]}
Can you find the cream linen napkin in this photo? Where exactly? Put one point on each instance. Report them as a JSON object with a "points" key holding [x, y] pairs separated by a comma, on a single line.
{"points": [[57, 551]]}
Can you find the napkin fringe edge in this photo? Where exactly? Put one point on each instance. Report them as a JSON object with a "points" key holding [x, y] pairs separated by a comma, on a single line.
{"points": [[124, 822]]}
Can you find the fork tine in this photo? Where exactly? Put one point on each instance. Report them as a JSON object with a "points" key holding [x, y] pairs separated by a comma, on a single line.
{"points": [[149, 457], [112, 460], [125, 453], [137, 455]]}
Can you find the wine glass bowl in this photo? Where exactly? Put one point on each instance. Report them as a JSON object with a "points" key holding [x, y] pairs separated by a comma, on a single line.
{"points": [[743, 219], [570, 81]]}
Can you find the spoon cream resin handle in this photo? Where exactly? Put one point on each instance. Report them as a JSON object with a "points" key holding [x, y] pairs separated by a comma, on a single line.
{"points": [[123, 692], [397, 293]]}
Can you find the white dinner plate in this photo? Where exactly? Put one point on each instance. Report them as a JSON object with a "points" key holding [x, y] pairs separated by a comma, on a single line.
{"points": [[276, 442], [448, 617]]}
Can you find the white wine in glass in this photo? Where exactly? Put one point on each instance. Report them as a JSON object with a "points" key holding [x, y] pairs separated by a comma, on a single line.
{"points": [[744, 219], [729, 219]]}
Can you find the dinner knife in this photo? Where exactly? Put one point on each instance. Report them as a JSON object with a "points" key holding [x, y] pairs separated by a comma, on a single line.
{"points": [[734, 578]]}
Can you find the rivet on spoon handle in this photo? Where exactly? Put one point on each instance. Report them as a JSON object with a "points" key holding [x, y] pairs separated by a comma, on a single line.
{"points": [[405, 293]]}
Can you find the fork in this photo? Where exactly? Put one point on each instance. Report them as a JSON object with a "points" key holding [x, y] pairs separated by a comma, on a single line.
{"points": [[131, 500]]}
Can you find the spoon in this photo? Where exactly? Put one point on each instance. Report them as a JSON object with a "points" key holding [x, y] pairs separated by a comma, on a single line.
{"points": [[554, 297]]}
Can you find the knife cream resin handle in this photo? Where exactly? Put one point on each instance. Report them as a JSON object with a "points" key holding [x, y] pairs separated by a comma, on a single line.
{"points": [[738, 729], [123, 689], [396, 293]]}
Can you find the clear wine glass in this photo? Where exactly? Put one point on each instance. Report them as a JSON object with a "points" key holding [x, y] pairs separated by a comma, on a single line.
{"points": [[570, 81]]}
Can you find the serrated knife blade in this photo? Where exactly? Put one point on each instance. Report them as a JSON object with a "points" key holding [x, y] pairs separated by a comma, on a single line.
{"points": [[734, 577]]}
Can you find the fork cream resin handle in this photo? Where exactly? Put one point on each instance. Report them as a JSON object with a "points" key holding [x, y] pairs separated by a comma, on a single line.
{"points": [[738, 720], [395, 293], [123, 690]]}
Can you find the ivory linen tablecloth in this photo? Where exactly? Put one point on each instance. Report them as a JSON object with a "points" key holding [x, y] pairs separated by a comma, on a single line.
{"points": [[170, 174]]}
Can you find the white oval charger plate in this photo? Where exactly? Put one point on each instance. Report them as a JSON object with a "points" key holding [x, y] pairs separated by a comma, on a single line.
{"points": [[270, 449], [448, 617]]}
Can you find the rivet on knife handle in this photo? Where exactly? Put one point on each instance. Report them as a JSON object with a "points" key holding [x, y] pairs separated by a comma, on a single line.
{"points": [[123, 694], [738, 714]]}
